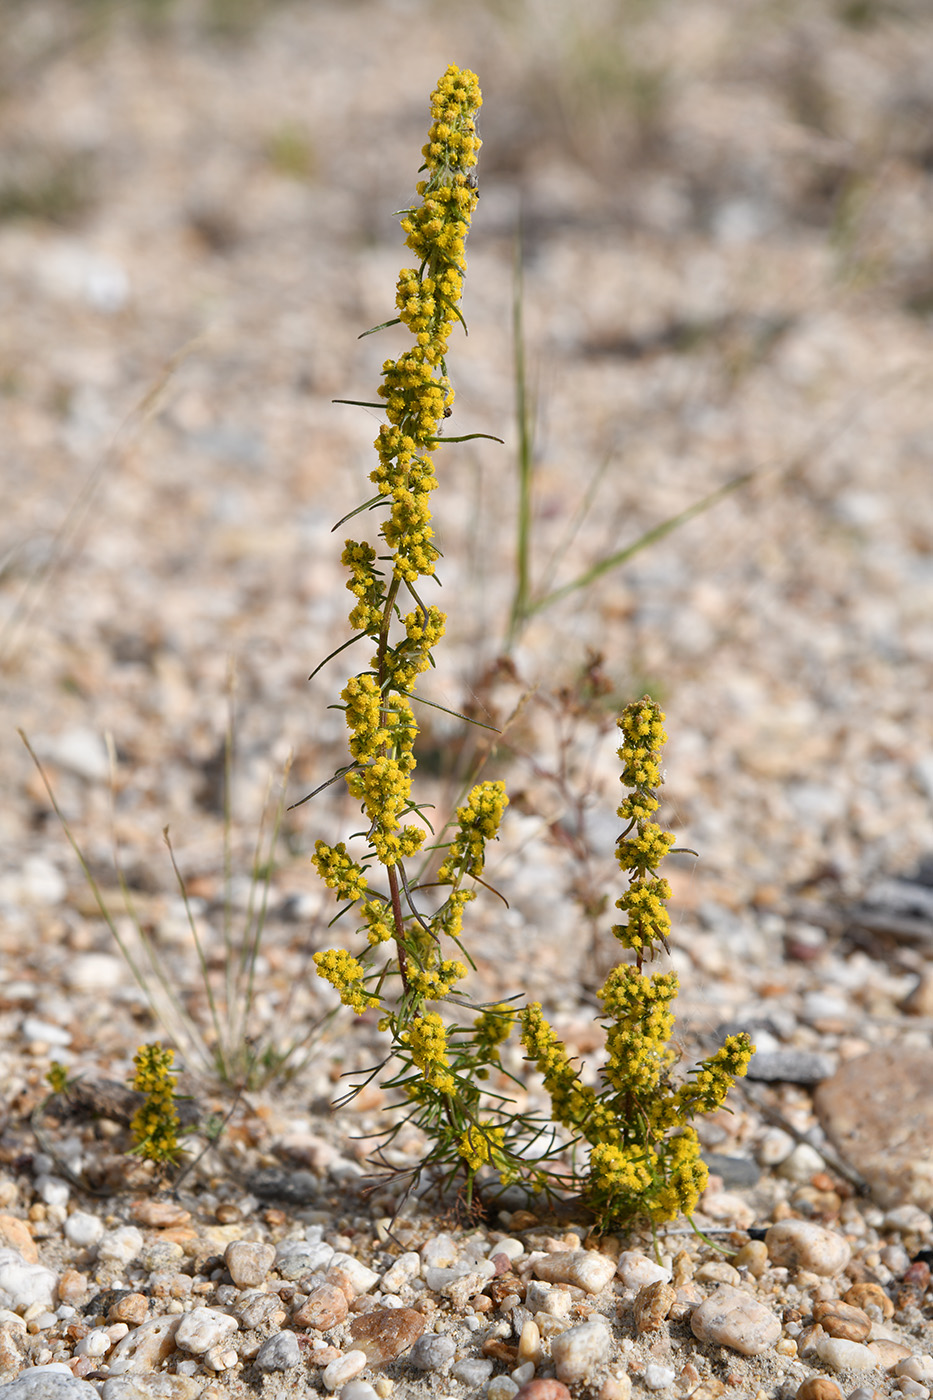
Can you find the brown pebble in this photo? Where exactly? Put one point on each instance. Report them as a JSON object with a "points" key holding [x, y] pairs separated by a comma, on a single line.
{"points": [[543, 1389], [500, 1351], [227, 1213], [653, 1304], [132, 1309], [819, 1388], [342, 1280], [842, 1320], [889, 1353], [73, 1288], [501, 1263], [688, 1380], [523, 1220], [159, 1215], [864, 1295], [17, 1234], [505, 1286], [323, 1308], [274, 1218], [385, 1333], [710, 1389]]}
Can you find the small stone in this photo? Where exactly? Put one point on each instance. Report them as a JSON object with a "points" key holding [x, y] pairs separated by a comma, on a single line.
{"points": [[203, 1328], [617, 1387], [23, 1284], [406, 1267], [119, 1246], [753, 1257], [529, 1343], [159, 1215], [544, 1389], [361, 1278], [324, 1307], [94, 1343], [917, 1368], [43, 1383], [718, 1271], [385, 1333], [501, 1388], [736, 1320], [799, 1244], [801, 1164], [432, 1352], [73, 1288], [579, 1352], [653, 1304], [913, 1389], [636, 1270], [294, 1258], [657, 1377], [132, 1308], [255, 1309], [845, 1356], [83, 1229], [583, 1268], [866, 1295], [248, 1263], [358, 1390], [791, 1066], [280, 1352], [146, 1347], [474, 1372], [887, 1353], [345, 1368], [839, 1319], [440, 1253], [819, 1388]]}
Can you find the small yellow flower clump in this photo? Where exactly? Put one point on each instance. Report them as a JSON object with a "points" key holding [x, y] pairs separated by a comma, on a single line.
{"points": [[345, 975], [477, 822], [155, 1124], [644, 1156], [427, 1041], [479, 1144]]}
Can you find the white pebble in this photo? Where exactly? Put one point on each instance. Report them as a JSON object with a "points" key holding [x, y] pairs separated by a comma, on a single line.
{"points": [[580, 1351], [83, 1229], [801, 1164], [361, 1278], [584, 1268], [523, 1373], [120, 1246], [841, 1355], [358, 1390], [658, 1377], [22, 1284], [203, 1328], [636, 1270], [345, 1368], [406, 1267], [501, 1388], [916, 1368], [775, 1147], [732, 1318], [909, 1220], [96, 1343], [440, 1252], [512, 1249], [799, 1244], [914, 1389]]}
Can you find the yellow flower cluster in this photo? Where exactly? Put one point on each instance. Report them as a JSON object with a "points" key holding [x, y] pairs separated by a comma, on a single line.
{"points": [[707, 1089], [641, 1025], [479, 1144], [491, 1029], [338, 870], [434, 983], [618, 1171], [383, 783], [477, 822], [423, 630], [345, 975], [427, 1041], [684, 1178], [155, 1124], [571, 1100], [643, 903], [365, 583]]}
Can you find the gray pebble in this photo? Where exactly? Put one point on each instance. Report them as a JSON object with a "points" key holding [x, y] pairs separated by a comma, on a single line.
{"points": [[41, 1383], [298, 1188], [733, 1171], [473, 1372], [279, 1353], [432, 1352], [295, 1258], [253, 1309], [791, 1067]]}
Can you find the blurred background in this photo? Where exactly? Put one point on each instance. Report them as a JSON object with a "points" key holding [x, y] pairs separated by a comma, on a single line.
{"points": [[723, 216]]}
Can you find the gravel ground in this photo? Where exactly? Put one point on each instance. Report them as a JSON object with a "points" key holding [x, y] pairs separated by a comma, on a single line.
{"points": [[727, 216]]}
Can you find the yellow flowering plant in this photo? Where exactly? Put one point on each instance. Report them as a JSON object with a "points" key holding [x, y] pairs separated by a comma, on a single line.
{"points": [[643, 1156]]}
